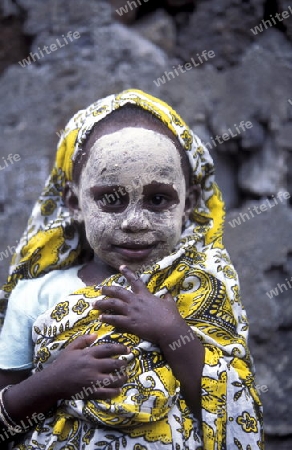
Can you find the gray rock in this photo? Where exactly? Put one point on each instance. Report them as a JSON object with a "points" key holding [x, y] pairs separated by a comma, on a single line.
{"points": [[158, 28], [192, 93], [289, 175], [259, 247], [226, 170], [256, 90], [276, 42], [220, 26], [244, 240], [9, 8], [226, 177], [283, 5], [55, 16], [122, 12], [275, 373], [179, 3], [12, 225], [264, 173], [254, 137], [284, 136]]}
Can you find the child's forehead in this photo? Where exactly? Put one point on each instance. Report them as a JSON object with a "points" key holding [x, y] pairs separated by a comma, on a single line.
{"points": [[111, 126], [134, 144], [133, 152], [112, 123]]}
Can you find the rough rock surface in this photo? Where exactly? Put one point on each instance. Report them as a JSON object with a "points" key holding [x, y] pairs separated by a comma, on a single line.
{"points": [[260, 247], [283, 5], [253, 85], [159, 28], [222, 26]]}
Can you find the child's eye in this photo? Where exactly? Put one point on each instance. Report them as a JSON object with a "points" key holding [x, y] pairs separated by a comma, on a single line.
{"points": [[115, 202], [110, 202], [157, 201]]}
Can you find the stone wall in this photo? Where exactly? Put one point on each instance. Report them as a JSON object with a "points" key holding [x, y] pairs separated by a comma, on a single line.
{"points": [[247, 80]]}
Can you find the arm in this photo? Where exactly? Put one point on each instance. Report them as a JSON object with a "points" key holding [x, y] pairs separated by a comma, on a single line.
{"points": [[30, 394], [75, 369], [140, 312], [186, 362]]}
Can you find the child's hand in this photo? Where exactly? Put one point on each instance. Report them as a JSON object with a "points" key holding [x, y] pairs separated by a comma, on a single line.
{"points": [[139, 312], [92, 371]]}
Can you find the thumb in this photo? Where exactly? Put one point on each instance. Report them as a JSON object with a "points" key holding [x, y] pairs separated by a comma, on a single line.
{"points": [[82, 341]]}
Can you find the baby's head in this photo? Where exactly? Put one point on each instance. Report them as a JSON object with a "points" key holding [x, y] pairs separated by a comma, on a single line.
{"points": [[131, 188]]}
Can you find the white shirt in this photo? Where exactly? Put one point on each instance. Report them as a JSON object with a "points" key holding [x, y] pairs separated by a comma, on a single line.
{"points": [[28, 300]]}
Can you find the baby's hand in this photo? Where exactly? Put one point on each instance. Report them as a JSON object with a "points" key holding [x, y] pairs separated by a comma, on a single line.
{"points": [[139, 312], [93, 372]]}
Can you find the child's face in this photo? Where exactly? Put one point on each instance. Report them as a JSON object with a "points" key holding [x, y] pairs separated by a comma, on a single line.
{"points": [[131, 196]]}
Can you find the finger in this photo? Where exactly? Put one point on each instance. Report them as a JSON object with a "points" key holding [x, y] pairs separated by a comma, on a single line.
{"points": [[106, 393], [111, 365], [112, 381], [116, 305], [82, 341], [117, 292], [136, 283], [108, 350], [121, 322]]}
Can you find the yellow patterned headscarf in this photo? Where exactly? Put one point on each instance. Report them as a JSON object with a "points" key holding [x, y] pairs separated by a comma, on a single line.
{"points": [[198, 274], [51, 240]]}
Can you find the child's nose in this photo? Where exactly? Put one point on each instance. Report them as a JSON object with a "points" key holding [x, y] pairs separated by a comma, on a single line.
{"points": [[135, 220]]}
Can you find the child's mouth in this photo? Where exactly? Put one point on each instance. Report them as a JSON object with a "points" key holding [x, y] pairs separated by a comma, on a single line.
{"points": [[134, 251]]}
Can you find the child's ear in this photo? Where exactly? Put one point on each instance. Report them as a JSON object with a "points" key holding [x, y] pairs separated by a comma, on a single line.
{"points": [[70, 199], [192, 198]]}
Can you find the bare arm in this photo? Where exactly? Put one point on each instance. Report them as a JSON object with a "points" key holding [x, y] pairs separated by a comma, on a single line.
{"points": [[186, 363], [30, 395], [75, 369]]}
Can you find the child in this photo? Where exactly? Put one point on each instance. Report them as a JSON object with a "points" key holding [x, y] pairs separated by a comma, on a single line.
{"points": [[94, 356]]}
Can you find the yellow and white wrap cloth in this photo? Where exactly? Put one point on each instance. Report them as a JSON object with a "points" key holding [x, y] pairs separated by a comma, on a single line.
{"points": [[150, 412]]}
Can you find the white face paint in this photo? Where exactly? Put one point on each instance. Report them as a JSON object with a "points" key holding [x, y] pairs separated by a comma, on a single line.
{"points": [[132, 197]]}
